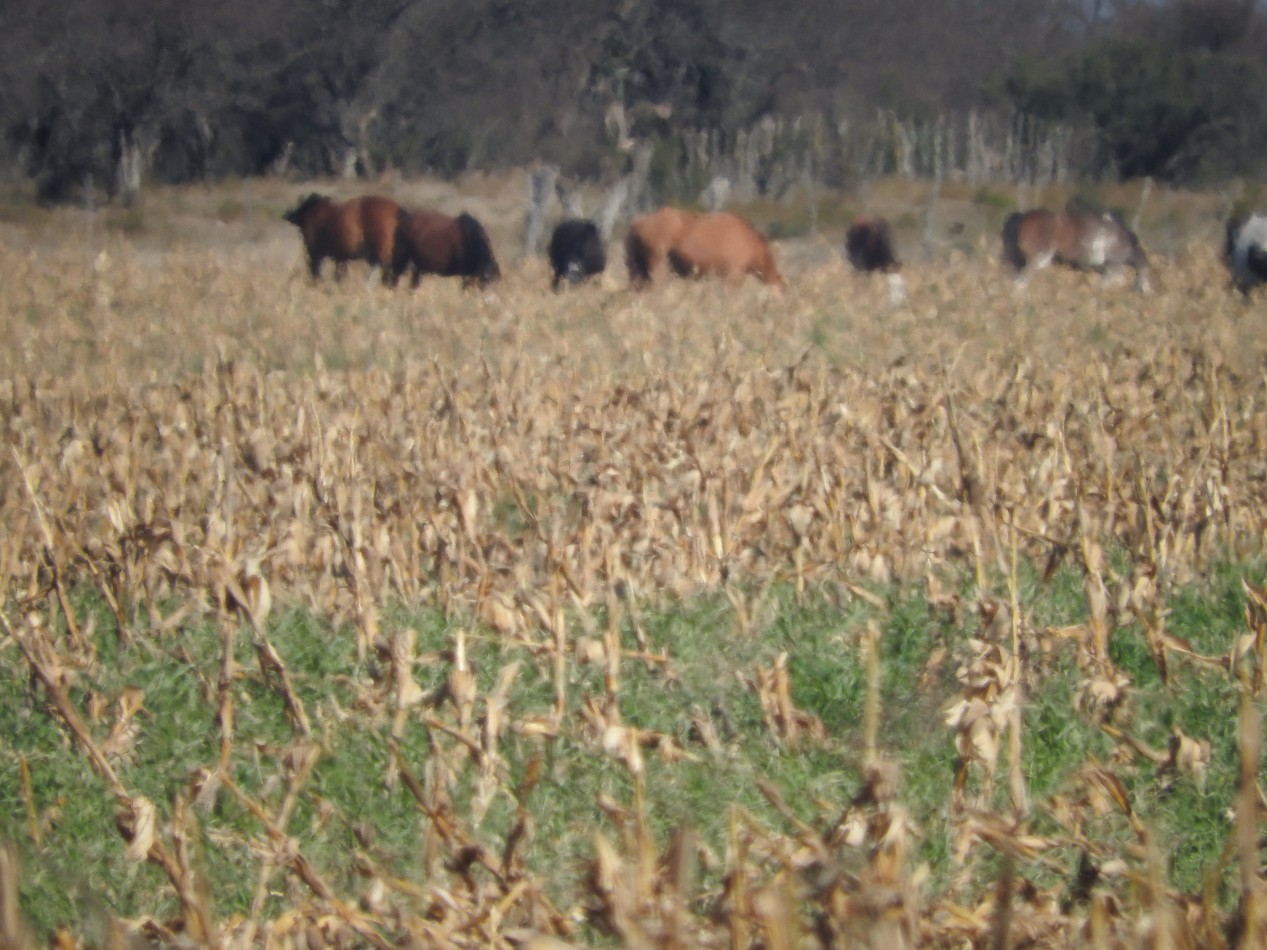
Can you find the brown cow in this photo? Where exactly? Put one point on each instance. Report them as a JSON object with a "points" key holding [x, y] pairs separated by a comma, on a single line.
{"points": [[431, 242], [355, 230], [1084, 240], [649, 241], [726, 245]]}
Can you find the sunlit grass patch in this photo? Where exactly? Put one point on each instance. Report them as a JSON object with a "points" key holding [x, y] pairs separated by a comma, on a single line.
{"points": [[354, 812]]}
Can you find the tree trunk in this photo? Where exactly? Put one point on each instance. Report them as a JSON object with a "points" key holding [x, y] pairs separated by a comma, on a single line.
{"points": [[570, 199], [541, 187], [280, 165], [640, 197], [129, 161], [612, 209], [348, 163], [715, 193]]}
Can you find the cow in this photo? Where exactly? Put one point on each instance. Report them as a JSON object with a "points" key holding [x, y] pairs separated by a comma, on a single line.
{"points": [[431, 242], [576, 252], [360, 229], [1245, 251], [1083, 240]]}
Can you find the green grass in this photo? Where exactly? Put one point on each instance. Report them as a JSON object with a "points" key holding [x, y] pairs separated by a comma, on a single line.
{"points": [[78, 866]]}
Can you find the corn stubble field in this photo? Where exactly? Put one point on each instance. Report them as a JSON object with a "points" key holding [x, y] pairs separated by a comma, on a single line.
{"points": [[344, 616]]}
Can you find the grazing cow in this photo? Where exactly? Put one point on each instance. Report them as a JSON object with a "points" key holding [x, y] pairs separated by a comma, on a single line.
{"points": [[649, 241], [430, 242], [869, 246], [726, 245], [576, 252], [355, 230], [696, 245], [1079, 239], [1245, 252]]}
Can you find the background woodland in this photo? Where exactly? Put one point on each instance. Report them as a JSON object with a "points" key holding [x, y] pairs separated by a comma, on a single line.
{"points": [[101, 96]]}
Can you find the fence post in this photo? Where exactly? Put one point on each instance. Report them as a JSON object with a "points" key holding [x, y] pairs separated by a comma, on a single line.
{"points": [[1144, 194], [974, 157], [811, 194], [930, 212]]}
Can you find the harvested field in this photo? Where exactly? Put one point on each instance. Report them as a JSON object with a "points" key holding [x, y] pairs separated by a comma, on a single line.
{"points": [[685, 618]]}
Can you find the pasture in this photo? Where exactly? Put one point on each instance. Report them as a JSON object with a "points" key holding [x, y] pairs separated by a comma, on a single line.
{"points": [[351, 615]]}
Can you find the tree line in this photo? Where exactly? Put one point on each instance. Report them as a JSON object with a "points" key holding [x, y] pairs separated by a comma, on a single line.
{"points": [[112, 93]]}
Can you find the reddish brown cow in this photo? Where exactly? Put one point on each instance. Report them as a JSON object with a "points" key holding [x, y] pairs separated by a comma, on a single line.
{"points": [[430, 242], [362, 229], [649, 241], [726, 245]]}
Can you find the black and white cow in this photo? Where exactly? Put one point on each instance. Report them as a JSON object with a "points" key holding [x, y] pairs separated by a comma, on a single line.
{"points": [[1246, 251]]}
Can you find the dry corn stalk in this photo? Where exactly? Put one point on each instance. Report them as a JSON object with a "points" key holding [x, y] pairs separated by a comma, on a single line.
{"points": [[786, 723], [529, 485]]}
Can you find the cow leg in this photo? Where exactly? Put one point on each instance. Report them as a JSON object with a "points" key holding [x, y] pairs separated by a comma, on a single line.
{"points": [[314, 267], [1032, 265], [653, 264]]}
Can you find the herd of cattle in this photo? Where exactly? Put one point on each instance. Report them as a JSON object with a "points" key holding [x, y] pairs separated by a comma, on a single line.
{"points": [[690, 244]]}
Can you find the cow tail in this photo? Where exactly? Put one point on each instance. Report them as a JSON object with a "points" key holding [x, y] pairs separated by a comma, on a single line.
{"points": [[477, 251]]}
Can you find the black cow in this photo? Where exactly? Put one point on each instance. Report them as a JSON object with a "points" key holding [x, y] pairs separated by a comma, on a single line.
{"points": [[869, 246], [576, 252]]}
